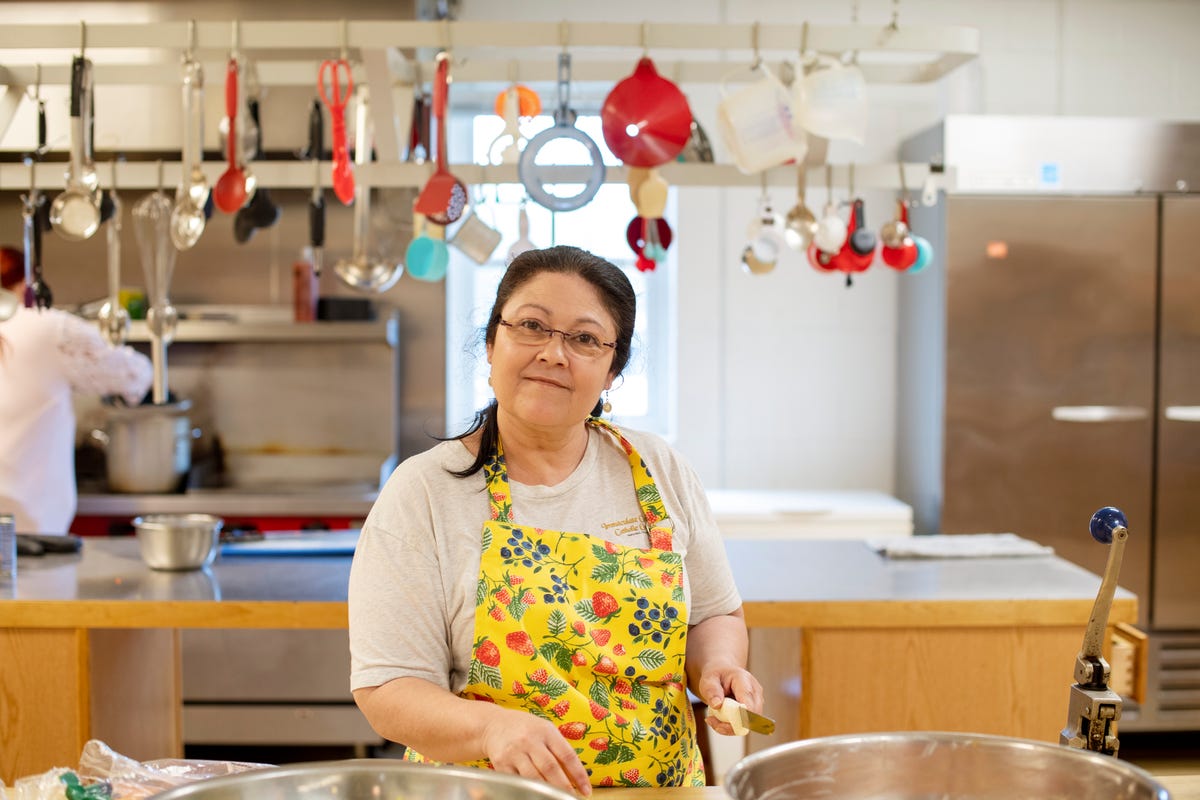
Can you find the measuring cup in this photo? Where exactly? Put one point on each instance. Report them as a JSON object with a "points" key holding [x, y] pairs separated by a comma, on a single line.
{"points": [[75, 214], [757, 123], [831, 100], [426, 256], [474, 236]]}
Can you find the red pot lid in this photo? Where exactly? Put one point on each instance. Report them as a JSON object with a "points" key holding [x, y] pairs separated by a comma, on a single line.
{"points": [[645, 118]]}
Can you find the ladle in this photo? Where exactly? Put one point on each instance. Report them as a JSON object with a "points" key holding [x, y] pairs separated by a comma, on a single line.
{"points": [[37, 293], [187, 215], [74, 214], [800, 224], [113, 318], [361, 271], [230, 191]]}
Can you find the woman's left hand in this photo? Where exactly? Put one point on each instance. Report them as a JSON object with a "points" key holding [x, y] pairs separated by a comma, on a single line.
{"points": [[721, 681]]}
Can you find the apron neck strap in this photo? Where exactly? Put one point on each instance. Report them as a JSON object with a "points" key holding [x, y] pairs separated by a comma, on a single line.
{"points": [[495, 471]]}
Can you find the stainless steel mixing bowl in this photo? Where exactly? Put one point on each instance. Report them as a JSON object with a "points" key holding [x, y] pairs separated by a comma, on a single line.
{"points": [[935, 766], [178, 541], [367, 779]]}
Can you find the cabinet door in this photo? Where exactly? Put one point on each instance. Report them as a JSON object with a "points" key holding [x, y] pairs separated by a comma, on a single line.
{"points": [[1176, 603], [1050, 311]]}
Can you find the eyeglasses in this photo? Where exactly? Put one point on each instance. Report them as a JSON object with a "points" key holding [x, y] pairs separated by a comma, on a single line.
{"points": [[581, 343]]}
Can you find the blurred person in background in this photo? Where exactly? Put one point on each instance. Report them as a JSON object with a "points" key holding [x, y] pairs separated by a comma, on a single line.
{"points": [[45, 355]]}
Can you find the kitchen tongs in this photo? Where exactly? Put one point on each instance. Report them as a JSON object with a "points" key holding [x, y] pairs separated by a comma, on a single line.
{"points": [[1094, 708]]}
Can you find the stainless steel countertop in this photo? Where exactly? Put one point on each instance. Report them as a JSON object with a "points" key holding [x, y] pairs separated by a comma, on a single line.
{"points": [[766, 572], [295, 502], [112, 569]]}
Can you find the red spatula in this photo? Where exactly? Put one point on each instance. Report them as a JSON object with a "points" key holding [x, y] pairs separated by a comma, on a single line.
{"points": [[444, 198]]}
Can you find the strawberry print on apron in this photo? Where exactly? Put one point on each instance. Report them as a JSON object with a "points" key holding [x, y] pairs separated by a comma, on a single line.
{"points": [[590, 635]]}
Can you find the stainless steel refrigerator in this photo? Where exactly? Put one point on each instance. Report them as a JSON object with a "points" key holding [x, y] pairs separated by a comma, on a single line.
{"points": [[1050, 359]]}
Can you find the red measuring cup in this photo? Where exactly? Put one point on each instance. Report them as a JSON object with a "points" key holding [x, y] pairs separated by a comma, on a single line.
{"points": [[330, 77]]}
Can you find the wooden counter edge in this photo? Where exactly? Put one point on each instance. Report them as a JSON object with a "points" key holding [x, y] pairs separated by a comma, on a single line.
{"points": [[932, 613], [786, 614], [172, 614]]}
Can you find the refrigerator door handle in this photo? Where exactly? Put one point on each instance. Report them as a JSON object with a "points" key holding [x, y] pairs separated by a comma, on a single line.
{"points": [[1182, 413], [1098, 413]]}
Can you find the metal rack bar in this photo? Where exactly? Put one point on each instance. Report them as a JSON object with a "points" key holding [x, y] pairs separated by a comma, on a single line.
{"points": [[299, 174], [478, 43]]}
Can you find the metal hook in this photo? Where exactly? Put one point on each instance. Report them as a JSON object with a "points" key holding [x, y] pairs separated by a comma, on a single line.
{"points": [[754, 44], [82, 38], [850, 180], [829, 184], [36, 96], [343, 39], [903, 186], [237, 39], [189, 54], [563, 34]]}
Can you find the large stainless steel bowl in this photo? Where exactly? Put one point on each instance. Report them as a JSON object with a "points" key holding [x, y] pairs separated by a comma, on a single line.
{"points": [[178, 541], [935, 766], [367, 779]]}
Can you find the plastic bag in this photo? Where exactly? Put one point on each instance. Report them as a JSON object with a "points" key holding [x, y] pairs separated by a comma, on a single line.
{"points": [[105, 774]]}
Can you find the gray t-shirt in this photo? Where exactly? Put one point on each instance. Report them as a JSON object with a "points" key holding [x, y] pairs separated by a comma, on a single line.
{"points": [[412, 583]]}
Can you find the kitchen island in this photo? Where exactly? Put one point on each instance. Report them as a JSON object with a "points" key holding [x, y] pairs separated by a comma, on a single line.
{"points": [[89, 642]]}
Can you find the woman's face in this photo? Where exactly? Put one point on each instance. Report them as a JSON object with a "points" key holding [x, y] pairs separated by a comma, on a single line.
{"points": [[548, 385]]}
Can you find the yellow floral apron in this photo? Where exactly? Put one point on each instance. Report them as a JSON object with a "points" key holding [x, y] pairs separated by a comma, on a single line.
{"points": [[590, 635]]}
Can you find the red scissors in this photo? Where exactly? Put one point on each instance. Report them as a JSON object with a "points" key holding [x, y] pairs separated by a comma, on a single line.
{"points": [[332, 74]]}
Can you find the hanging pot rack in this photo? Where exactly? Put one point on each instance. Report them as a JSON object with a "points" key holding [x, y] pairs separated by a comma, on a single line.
{"points": [[288, 53]]}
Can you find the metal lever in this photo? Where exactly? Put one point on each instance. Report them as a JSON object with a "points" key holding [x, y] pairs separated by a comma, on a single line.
{"points": [[1094, 708]]}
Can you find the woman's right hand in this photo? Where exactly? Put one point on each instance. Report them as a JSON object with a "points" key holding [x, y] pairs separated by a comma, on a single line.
{"points": [[523, 744]]}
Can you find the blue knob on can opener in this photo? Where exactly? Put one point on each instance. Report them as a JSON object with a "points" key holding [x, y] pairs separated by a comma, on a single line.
{"points": [[1094, 708]]}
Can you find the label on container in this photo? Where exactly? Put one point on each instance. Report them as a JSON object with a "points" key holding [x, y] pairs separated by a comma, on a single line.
{"points": [[8, 546]]}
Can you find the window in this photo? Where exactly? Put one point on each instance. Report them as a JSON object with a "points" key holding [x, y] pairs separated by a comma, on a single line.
{"points": [[644, 397]]}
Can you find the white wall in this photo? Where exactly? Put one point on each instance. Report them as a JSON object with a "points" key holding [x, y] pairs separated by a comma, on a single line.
{"points": [[788, 379]]}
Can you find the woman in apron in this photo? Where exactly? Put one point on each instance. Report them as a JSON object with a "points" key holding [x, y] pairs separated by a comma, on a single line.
{"points": [[538, 594]]}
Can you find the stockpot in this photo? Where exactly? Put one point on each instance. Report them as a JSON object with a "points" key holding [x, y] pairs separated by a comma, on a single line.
{"points": [[147, 448]]}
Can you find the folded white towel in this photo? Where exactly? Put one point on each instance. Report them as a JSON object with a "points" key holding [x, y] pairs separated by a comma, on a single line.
{"points": [[971, 545]]}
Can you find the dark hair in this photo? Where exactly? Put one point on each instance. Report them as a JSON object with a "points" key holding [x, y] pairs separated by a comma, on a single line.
{"points": [[616, 292]]}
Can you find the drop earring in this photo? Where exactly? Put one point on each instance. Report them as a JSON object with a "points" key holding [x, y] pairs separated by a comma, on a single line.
{"points": [[607, 405]]}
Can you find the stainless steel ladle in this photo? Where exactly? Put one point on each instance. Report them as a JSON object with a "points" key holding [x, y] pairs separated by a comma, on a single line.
{"points": [[187, 215], [361, 271], [75, 213], [113, 318]]}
